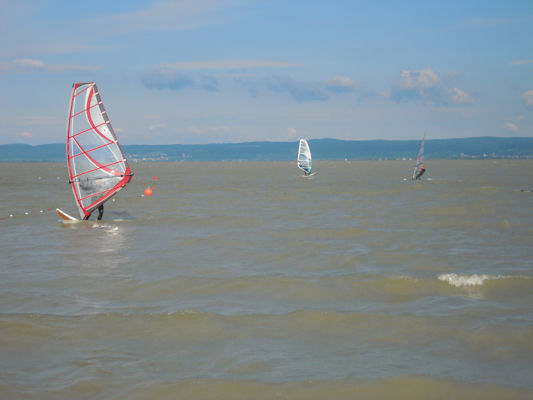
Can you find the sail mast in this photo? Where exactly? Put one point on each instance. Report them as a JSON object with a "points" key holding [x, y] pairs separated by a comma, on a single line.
{"points": [[420, 159]]}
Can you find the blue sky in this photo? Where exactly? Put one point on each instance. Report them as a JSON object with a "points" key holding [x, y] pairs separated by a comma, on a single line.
{"points": [[205, 71]]}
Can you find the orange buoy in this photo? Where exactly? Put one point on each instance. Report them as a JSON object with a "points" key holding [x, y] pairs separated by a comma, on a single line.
{"points": [[147, 191]]}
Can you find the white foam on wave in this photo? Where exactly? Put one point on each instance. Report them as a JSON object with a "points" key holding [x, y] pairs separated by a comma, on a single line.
{"points": [[465, 280]]}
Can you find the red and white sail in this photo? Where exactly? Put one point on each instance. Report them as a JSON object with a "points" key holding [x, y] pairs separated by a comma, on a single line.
{"points": [[96, 164]]}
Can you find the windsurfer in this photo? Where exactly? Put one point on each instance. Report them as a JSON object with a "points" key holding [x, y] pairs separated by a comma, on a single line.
{"points": [[97, 166], [421, 172]]}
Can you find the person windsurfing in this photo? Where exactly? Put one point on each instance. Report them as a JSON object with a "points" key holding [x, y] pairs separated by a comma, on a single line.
{"points": [[420, 172]]}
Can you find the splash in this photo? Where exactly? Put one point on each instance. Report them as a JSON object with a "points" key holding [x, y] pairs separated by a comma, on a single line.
{"points": [[464, 281]]}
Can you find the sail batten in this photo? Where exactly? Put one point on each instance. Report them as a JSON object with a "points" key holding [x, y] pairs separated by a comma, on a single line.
{"points": [[82, 111], [88, 86], [88, 151], [94, 194], [97, 166], [87, 130]]}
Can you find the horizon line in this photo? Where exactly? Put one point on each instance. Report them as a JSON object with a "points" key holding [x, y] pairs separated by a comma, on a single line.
{"points": [[284, 141]]}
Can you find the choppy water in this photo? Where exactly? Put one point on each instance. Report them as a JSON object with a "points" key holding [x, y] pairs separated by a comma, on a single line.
{"points": [[245, 280]]}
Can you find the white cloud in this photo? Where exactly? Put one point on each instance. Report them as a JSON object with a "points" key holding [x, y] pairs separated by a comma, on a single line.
{"points": [[457, 96], [293, 133], [156, 127], [299, 90], [425, 86], [166, 78], [195, 130], [341, 84], [510, 126], [520, 62], [528, 98], [418, 79], [172, 76], [29, 65], [26, 134]]}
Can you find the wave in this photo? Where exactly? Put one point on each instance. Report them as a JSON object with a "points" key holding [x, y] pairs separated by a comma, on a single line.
{"points": [[193, 328], [279, 293], [462, 281], [466, 280], [340, 233], [311, 354], [270, 294], [397, 387], [142, 387]]}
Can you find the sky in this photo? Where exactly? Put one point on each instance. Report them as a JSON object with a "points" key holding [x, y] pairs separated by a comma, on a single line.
{"points": [[217, 71]]}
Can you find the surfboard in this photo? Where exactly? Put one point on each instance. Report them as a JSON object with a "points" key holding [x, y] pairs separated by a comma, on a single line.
{"points": [[64, 216]]}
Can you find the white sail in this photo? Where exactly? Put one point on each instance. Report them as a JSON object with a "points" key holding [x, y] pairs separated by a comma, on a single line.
{"points": [[97, 166], [304, 157], [419, 167]]}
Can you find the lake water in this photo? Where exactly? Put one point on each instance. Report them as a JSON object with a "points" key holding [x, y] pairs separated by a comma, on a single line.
{"points": [[244, 280]]}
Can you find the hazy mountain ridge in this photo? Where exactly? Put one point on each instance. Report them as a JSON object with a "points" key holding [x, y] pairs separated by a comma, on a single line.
{"points": [[321, 149]]}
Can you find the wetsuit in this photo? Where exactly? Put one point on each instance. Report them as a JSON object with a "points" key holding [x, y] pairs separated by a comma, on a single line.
{"points": [[100, 211]]}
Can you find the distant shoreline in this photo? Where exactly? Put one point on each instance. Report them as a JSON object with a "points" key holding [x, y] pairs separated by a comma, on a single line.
{"points": [[321, 149]]}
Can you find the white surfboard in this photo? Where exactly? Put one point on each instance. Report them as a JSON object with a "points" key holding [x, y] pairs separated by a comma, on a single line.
{"points": [[308, 176], [64, 216]]}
